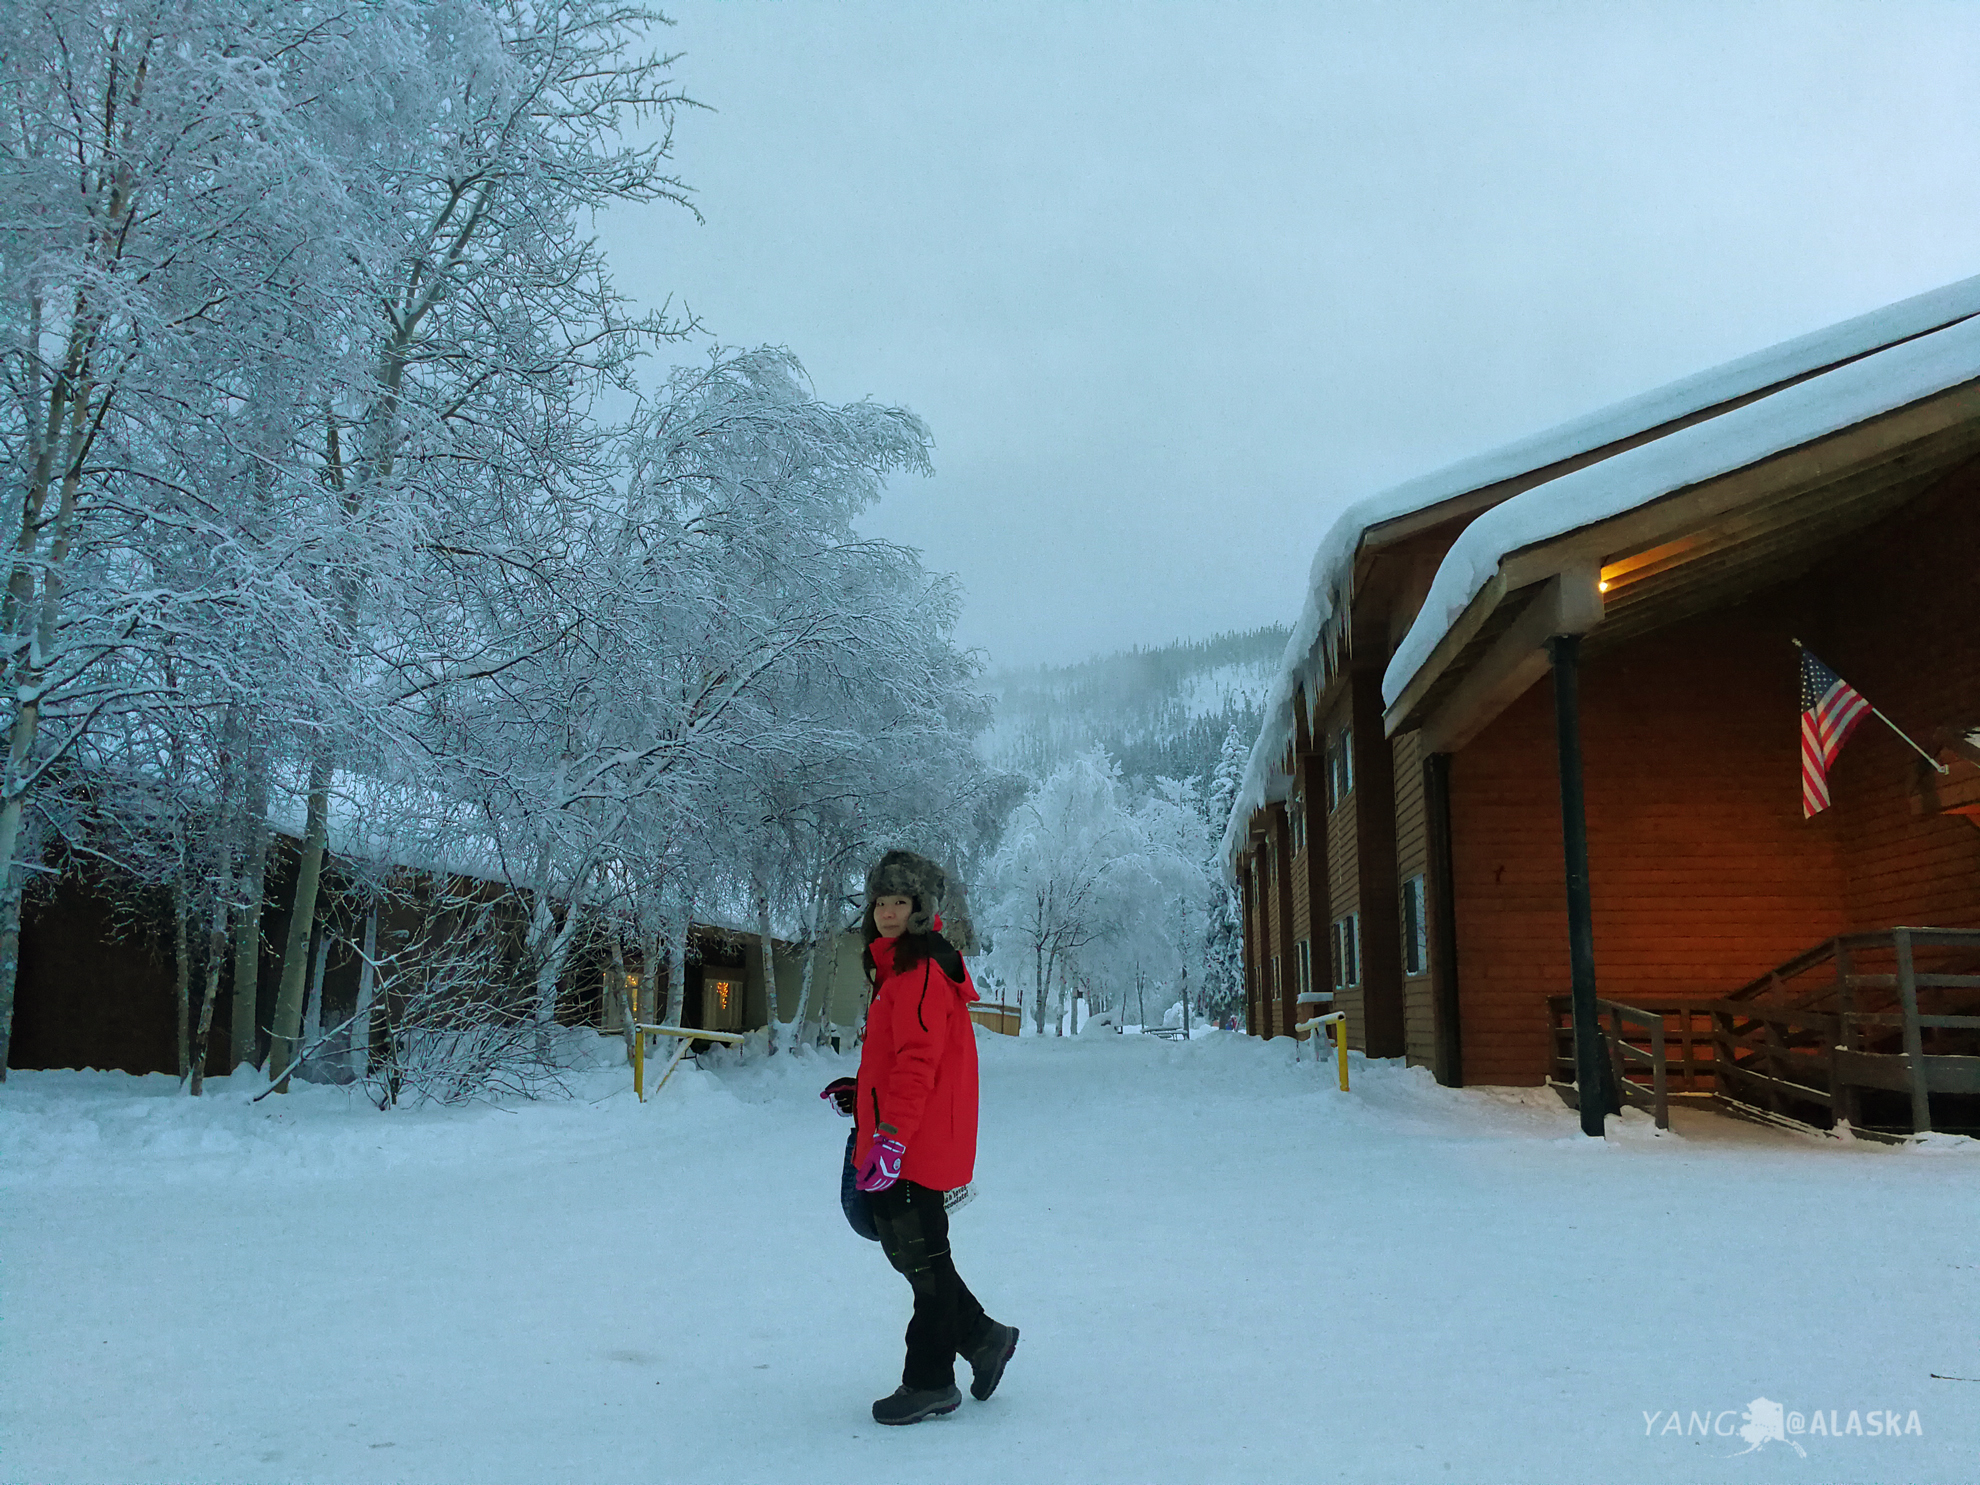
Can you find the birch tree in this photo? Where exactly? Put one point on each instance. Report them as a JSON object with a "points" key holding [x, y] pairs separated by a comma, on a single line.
{"points": [[488, 132], [151, 168], [1058, 877]]}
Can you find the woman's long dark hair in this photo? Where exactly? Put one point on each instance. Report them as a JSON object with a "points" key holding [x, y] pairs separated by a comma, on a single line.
{"points": [[909, 949]]}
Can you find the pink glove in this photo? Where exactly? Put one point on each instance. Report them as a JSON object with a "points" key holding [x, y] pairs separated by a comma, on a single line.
{"points": [[882, 1166]]}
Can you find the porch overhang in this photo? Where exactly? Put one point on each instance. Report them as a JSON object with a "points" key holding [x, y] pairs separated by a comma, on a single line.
{"points": [[1685, 553]]}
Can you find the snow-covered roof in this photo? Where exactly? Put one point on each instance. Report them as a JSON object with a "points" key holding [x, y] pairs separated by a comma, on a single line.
{"points": [[1838, 399], [1329, 576]]}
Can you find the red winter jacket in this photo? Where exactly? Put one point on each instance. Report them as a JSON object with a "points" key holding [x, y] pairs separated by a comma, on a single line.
{"points": [[917, 1070]]}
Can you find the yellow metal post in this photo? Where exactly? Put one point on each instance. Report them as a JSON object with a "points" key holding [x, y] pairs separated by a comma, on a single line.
{"points": [[1340, 1050], [639, 1062]]}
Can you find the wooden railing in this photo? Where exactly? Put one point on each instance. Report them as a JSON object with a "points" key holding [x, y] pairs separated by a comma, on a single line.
{"points": [[1637, 1042], [1890, 1012]]}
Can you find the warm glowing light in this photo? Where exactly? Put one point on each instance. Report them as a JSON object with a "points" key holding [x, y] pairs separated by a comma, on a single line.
{"points": [[1602, 587]]}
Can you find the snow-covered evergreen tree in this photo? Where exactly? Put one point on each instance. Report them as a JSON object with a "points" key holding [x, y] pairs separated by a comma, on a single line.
{"points": [[1223, 949]]}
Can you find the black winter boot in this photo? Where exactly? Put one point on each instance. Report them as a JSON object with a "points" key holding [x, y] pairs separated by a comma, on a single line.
{"points": [[988, 1360], [907, 1405]]}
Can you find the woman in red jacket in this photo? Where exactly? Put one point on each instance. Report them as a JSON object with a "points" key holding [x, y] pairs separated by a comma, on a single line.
{"points": [[916, 1137]]}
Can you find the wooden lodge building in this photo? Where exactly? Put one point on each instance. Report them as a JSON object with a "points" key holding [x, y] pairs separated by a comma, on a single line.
{"points": [[1590, 636], [96, 985]]}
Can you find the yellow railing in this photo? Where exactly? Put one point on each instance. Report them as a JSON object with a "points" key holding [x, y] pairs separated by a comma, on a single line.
{"points": [[687, 1036], [1337, 1020]]}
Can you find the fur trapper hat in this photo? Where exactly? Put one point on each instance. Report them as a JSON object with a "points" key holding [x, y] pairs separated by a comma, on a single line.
{"points": [[904, 874]]}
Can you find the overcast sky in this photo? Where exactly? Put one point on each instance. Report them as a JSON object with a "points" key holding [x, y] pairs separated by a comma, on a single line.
{"points": [[1171, 284]]}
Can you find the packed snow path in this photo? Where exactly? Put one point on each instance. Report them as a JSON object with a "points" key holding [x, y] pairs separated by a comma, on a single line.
{"points": [[1224, 1269]]}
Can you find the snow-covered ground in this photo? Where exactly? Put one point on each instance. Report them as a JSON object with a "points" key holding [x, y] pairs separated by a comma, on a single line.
{"points": [[1224, 1269]]}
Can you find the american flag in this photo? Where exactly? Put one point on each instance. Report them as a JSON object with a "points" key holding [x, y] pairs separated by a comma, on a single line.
{"points": [[1830, 710]]}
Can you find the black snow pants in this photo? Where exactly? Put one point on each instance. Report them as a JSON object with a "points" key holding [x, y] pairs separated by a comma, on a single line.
{"points": [[914, 1234]]}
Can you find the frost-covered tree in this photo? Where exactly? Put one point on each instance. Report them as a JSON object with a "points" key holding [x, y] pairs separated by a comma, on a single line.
{"points": [[1059, 881], [159, 198], [488, 132], [1179, 849], [321, 523], [1223, 950]]}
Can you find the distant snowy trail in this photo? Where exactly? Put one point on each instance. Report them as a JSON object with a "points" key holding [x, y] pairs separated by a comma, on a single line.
{"points": [[1224, 1269]]}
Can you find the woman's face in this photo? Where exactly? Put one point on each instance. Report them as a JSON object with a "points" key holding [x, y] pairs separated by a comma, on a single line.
{"points": [[891, 914]]}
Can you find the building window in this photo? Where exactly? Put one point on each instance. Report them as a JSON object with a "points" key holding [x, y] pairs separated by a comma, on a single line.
{"points": [[1345, 950], [1303, 965], [1296, 815], [722, 1001], [1340, 769], [1415, 927]]}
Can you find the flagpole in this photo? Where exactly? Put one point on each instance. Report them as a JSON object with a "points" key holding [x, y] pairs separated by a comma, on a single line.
{"points": [[1889, 723]]}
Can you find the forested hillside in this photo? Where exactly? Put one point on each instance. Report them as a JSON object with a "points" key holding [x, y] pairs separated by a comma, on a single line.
{"points": [[1161, 711]]}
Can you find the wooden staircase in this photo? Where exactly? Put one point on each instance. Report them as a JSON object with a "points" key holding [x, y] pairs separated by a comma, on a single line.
{"points": [[1880, 1031]]}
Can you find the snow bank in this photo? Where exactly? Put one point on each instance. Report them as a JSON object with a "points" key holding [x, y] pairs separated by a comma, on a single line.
{"points": [[606, 1291], [64, 1126]]}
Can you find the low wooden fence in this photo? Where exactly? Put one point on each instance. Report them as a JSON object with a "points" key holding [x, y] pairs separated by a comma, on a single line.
{"points": [[1890, 1012]]}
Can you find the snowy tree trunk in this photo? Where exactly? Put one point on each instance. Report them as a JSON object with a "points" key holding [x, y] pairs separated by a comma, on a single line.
{"points": [[549, 943], [652, 966], [302, 918], [216, 953], [247, 923], [182, 969], [769, 966], [38, 623], [826, 1025], [312, 1030], [555, 947], [367, 988], [1038, 980], [810, 966], [1182, 917], [628, 1013], [677, 932], [225, 841]]}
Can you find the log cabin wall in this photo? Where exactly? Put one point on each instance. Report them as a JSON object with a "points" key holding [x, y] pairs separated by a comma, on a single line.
{"points": [[1412, 861], [1902, 625], [96, 984], [1703, 872]]}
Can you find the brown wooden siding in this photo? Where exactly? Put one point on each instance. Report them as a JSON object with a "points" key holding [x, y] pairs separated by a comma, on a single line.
{"points": [[1412, 857], [1703, 872], [1903, 627]]}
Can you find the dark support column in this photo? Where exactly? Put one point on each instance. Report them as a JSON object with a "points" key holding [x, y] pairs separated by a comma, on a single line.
{"points": [[1447, 1048], [1284, 989], [1249, 960], [1590, 1080], [1375, 864]]}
